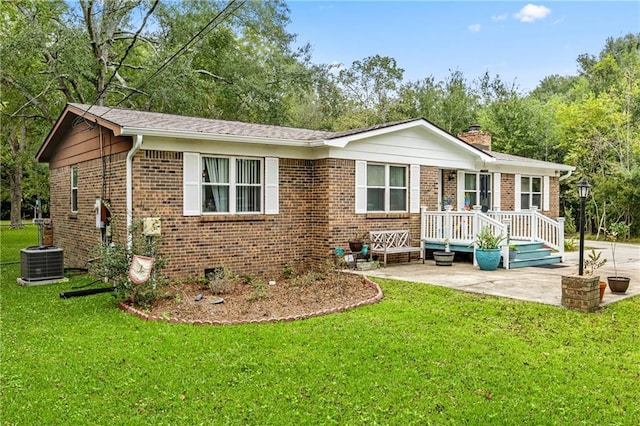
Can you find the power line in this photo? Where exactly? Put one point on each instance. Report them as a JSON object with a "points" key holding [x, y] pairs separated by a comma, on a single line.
{"points": [[199, 35], [126, 53]]}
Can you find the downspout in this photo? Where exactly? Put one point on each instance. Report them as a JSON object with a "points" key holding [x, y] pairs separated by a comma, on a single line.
{"points": [[563, 177], [136, 147]]}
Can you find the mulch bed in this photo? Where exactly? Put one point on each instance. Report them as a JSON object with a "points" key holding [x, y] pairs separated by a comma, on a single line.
{"points": [[287, 300]]}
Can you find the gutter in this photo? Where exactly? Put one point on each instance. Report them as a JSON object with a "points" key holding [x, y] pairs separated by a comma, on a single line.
{"points": [[135, 131], [136, 147], [563, 177]]}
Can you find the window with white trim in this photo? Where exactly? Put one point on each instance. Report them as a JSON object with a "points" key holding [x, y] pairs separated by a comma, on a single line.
{"points": [[477, 190], [386, 188], [232, 185], [74, 189], [530, 192]]}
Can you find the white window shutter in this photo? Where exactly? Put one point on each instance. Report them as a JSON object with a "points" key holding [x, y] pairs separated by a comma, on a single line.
{"points": [[517, 193], [496, 191], [460, 195], [545, 193], [361, 186], [414, 195], [191, 174], [271, 186]]}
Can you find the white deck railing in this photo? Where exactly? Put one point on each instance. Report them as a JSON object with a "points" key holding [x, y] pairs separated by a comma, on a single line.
{"points": [[462, 227]]}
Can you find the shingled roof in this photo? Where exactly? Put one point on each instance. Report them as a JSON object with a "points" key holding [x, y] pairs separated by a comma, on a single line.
{"points": [[132, 122], [134, 119]]}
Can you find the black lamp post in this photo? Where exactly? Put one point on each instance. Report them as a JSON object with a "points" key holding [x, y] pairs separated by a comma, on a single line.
{"points": [[583, 191]]}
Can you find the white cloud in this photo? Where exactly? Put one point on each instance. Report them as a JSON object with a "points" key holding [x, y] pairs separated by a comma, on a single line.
{"points": [[532, 12], [474, 28], [501, 17]]}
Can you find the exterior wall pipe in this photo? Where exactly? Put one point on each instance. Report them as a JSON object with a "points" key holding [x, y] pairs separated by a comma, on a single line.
{"points": [[563, 177], [136, 147]]}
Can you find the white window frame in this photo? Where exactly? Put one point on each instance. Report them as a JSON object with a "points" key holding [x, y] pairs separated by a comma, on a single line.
{"points": [[233, 185], [74, 189], [530, 193], [478, 189], [387, 187]]}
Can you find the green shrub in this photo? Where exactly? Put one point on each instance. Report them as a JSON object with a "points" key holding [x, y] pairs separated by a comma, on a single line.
{"points": [[112, 262]]}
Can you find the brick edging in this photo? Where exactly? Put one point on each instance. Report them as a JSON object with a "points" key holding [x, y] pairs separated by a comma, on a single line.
{"points": [[378, 296]]}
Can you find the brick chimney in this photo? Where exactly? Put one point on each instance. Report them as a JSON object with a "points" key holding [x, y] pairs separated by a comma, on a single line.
{"points": [[476, 137]]}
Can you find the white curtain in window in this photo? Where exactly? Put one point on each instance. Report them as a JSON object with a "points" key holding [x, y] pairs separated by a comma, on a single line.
{"points": [[218, 171], [248, 181]]}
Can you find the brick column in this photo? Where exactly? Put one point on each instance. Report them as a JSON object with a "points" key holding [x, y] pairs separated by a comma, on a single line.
{"points": [[581, 292]]}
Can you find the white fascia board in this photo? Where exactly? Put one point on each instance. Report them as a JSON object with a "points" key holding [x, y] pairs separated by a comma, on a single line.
{"points": [[131, 131], [520, 166], [345, 140], [381, 157], [233, 148]]}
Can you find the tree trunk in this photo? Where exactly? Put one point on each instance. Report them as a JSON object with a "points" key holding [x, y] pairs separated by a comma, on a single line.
{"points": [[16, 196], [17, 142]]}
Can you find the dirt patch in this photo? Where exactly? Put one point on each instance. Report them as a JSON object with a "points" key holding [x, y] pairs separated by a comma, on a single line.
{"points": [[239, 302]]}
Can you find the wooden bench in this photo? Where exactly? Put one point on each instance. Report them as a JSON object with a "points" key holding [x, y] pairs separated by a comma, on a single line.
{"points": [[392, 242]]}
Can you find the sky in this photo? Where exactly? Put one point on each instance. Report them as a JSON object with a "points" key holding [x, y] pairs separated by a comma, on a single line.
{"points": [[521, 42]]}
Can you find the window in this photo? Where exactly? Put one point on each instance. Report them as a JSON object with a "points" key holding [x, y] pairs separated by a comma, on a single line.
{"points": [[386, 188], [74, 189], [530, 192], [477, 190], [231, 185]]}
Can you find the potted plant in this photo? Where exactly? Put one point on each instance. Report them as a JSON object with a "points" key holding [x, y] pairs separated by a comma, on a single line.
{"points": [[616, 230], [488, 251], [593, 262], [444, 258], [355, 244]]}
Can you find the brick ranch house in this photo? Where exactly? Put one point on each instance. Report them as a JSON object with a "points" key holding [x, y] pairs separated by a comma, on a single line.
{"points": [[253, 197]]}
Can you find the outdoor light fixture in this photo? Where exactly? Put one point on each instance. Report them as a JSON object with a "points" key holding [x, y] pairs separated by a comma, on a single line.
{"points": [[583, 188], [583, 192]]}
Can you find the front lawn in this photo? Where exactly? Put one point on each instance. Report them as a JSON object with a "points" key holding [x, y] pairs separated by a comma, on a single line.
{"points": [[424, 355]]}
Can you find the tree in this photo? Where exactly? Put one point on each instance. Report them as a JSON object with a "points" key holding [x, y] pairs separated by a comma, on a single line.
{"points": [[26, 109], [450, 104], [371, 88]]}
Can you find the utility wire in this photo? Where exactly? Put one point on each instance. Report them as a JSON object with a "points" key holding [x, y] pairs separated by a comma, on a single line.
{"points": [[197, 37], [126, 53]]}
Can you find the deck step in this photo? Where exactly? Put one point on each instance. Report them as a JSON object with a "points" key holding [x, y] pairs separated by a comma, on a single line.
{"points": [[530, 254], [523, 246], [546, 260], [453, 247]]}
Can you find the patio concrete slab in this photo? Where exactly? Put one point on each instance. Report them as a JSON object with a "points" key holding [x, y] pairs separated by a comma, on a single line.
{"points": [[535, 284]]}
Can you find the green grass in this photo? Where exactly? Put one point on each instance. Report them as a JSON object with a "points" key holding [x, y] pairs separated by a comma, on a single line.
{"points": [[424, 355]]}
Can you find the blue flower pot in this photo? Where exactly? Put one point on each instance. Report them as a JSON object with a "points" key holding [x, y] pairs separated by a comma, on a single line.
{"points": [[488, 259]]}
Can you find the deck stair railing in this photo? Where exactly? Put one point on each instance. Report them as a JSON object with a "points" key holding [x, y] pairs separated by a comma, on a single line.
{"points": [[461, 227]]}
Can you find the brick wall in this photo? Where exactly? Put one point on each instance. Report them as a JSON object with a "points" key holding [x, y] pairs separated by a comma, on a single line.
{"points": [[554, 198], [508, 192], [76, 233], [317, 213], [344, 224], [244, 244], [450, 187]]}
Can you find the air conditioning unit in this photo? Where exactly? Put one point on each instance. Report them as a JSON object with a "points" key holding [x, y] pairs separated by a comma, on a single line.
{"points": [[41, 263]]}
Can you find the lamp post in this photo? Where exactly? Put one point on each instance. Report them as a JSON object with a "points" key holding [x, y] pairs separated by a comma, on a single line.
{"points": [[583, 191]]}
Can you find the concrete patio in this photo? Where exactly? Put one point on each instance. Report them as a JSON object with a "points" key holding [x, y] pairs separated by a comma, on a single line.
{"points": [[535, 284]]}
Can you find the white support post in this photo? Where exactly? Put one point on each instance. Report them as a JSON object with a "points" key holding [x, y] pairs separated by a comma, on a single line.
{"points": [[423, 231], [505, 256], [447, 224], [476, 229], [561, 237], [534, 224]]}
